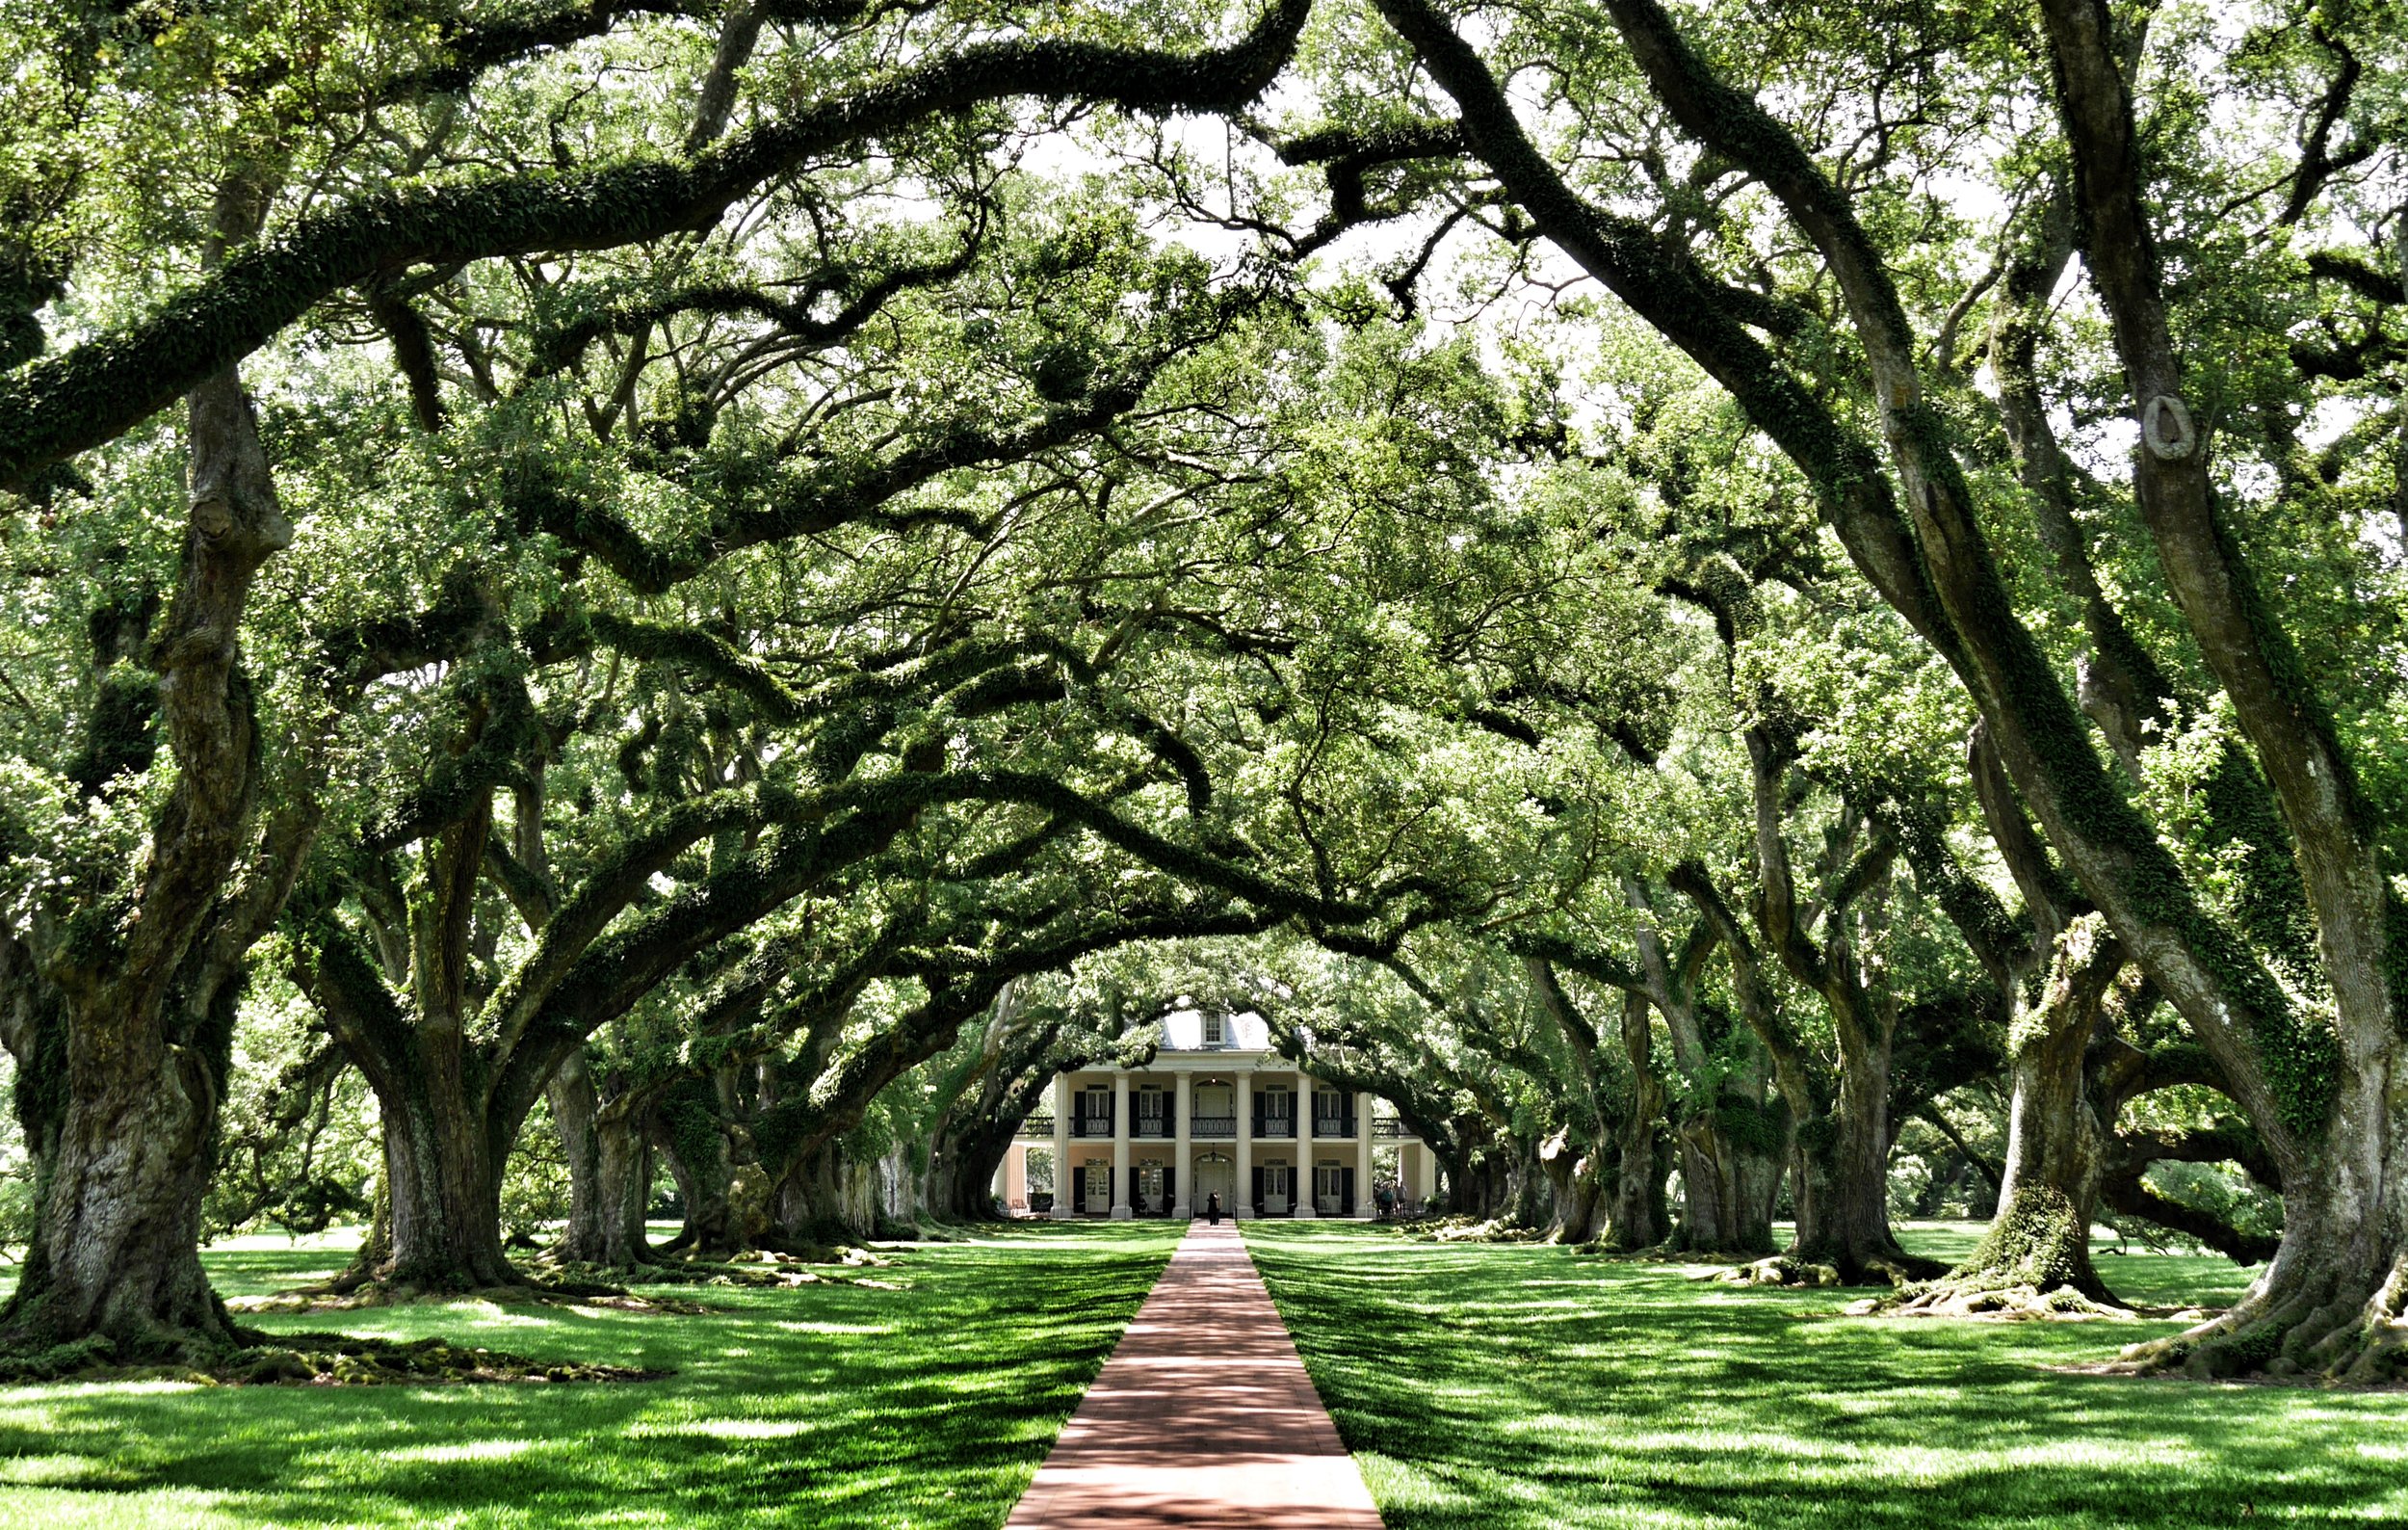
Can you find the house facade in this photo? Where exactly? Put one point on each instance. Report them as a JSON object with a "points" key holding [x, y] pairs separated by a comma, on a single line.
{"points": [[1215, 1113]]}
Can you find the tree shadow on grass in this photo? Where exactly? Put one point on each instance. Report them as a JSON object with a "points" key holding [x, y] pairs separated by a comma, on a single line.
{"points": [[1516, 1385], [929, 1405]]}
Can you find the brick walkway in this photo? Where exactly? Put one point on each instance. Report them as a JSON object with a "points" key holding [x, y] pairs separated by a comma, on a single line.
{"points": [[1202, 1417]]}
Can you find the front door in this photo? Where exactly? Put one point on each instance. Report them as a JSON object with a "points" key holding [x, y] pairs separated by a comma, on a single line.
{"points": [[1216, 1176], [1330, 1183], [1275, 1190], [1099, 1189], [1150, 1189]]}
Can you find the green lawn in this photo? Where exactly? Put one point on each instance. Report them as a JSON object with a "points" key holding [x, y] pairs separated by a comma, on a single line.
{"points": [[929, 1405], [1519, 1385]]}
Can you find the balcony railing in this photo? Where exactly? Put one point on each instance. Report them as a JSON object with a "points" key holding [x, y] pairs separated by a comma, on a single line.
{"points": [[1215, 1128]]}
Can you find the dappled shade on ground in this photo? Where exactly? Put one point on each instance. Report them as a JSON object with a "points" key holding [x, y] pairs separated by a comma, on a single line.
{"points": [[927, 1405], [1510, 1385]]}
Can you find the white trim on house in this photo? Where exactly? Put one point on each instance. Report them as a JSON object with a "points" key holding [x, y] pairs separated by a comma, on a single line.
{"points": [[1156, 1141]]}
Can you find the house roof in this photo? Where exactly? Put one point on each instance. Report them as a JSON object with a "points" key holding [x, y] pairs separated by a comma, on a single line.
{"points": [[1184, 1031]]}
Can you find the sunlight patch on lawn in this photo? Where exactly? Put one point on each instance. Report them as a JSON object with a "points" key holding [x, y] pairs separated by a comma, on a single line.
{"points": [[727, 1429], [465, 1450], [1716, 1408], [790, 1326]]}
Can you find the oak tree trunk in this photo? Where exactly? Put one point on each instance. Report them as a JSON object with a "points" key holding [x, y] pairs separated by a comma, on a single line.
{"points": [[608, 1172], [114, 1271], [1637, 1218], [124, 1073], [443, 1180], [2038, 1244]]}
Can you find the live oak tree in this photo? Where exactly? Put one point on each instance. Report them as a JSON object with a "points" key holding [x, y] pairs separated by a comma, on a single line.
{"points": [[688, 584], [128, 990], [1899, 478]]}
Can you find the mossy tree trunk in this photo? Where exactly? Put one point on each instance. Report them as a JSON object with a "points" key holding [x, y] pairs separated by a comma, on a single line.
{"points": [[609, 1171], [1635, 1219], [123, 1026], [1574, 1159], [1732, 1149], [1842, 1204]]}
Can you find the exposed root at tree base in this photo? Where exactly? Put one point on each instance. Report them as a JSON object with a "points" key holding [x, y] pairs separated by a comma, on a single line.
{"points": [[1670, 1254], [2320, 1332], [2010, 1302], [1778, 1270], [762, 1270], [1791, 1270], [1464, 1230], [317, 1360], [321, 1298]]}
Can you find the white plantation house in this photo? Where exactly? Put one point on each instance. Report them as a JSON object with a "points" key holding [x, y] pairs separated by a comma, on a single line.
{"points": [[1215, 1111]]}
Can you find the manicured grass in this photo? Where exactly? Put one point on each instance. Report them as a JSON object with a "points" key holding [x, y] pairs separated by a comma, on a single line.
{"points": [[927, 1404], [1517, 1386]]}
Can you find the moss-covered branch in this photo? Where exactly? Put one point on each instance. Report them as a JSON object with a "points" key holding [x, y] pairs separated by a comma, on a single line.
{"points": [[99, 389]]}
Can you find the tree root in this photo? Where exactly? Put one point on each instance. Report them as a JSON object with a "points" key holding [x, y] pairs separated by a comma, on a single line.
{"points": [[2325, 1330], [1779, 1270], [320, 1299], [759, 1270], [316, 1359], [1465, 1230], [2000, 1300]]}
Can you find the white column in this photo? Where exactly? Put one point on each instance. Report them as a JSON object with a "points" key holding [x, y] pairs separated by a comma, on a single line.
{"points": [[1182, 1193], [1243, 1192], [1062, 1147], [1300, 1201], [1363, 1206], [1121, 1145]]}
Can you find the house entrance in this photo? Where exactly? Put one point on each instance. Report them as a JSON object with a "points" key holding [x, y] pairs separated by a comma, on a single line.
{"points": [[1334, 1190], [1278, 1186], [1153, 1188], [1216, 1174]]}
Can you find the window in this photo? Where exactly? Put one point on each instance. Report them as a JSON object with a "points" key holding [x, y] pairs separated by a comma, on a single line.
{"points": [[1216, 1031]]}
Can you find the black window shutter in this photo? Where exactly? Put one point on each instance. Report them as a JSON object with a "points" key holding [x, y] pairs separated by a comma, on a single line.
{"points": [[1258, 1190], [1346, 1195], [1170, 1188], [1078, 1190]]}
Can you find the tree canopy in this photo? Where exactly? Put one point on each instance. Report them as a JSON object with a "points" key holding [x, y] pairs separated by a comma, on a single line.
{"points": [[1792, 597]]}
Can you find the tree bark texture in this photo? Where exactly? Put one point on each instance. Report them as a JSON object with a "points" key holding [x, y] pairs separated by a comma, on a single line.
{"points": [[125, 1071]]}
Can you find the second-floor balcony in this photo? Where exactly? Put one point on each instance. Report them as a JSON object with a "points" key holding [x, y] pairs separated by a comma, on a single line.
{"points": [[1036, 1126], [1274, 1126], [1333, 1125], [1151, 1127], [1090, 1125], [1211, 1128]]}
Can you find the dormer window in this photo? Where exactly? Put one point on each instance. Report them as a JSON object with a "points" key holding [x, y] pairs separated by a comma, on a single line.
{"points": [[1216, 1031]]}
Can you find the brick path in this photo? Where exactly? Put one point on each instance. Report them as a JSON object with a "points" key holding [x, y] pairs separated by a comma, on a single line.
{"points": [[1202, 1417]]}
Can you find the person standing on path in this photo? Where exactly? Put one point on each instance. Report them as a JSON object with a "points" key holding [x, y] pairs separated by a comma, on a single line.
{"points": [[1211, 1207]]}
